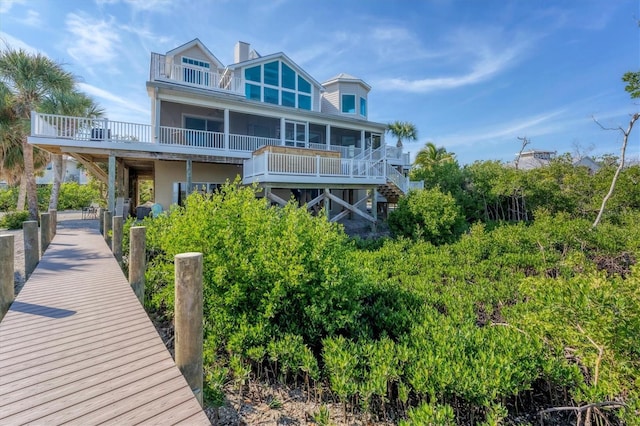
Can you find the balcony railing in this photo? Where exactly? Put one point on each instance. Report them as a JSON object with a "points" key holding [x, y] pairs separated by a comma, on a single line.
{"points": [[88, 129], [164, 70], [353, 163], [267, 163]]}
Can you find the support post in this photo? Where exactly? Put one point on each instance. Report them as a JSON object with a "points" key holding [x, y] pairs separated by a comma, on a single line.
{"points": [[188, 319], [137, 260], [53, 223], [116, 243], [45, 232], [101, 220], [374, 208], [6, 274], [189, 177], [107, 226], [112, 184], [327, 192], [31, 249]]}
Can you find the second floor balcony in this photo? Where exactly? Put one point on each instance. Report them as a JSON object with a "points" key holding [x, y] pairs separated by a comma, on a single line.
{"points": [[165, 70], [108, 134]]}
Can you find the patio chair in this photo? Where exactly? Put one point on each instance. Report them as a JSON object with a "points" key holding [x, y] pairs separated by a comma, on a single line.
{"points": [[90, 212]]}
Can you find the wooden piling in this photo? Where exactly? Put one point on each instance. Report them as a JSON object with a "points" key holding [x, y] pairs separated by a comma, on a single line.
{"points": [[116, 244], [6, 274], [45, 231], [101, 220], [54, 224], [137, 260], [107, 223], [188, 319], [31, 246]]}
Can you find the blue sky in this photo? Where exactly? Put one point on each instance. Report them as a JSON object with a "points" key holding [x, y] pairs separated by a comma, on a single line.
{"points": [[472, 75]]}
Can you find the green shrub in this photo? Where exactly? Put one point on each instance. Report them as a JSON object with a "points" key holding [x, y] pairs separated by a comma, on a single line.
{"points": [[8, 198], [427, 214], [13, 220]]}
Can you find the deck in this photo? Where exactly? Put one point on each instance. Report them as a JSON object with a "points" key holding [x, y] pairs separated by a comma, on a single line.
{"points": [[76, 347]]}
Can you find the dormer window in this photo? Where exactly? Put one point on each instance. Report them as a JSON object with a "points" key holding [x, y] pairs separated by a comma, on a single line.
{"points": [[363, 107], [348, 104], [195, 71]]}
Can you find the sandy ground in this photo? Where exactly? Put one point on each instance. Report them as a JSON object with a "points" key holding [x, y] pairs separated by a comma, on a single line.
{"points": [[66, 219]]}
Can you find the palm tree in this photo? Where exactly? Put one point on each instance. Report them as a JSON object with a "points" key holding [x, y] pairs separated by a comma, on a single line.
{"points": [[71, 103], [29, 78], [431, 155], [403, 130]]}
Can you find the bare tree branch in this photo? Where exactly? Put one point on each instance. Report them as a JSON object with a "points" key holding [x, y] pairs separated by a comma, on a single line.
{"points": [[623, 150]]}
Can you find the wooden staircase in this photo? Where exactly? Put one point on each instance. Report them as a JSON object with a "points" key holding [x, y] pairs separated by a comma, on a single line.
{"points": [[390, 191]]}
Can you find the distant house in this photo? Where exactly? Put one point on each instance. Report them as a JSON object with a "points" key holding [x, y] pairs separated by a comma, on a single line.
{"points": [[589, 163], [532, 159], [263, 118], [73, 173]]}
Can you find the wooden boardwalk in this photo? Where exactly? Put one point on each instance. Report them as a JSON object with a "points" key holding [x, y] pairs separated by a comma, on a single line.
{"points": [[76, 347]]}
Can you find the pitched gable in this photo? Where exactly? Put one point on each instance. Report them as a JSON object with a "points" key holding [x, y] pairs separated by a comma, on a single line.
{"points": [[194, 49]]}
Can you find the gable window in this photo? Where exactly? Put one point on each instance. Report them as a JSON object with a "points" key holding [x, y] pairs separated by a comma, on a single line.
{"points": [[252, 92], [195, 71], [271, 95], [253, 74], [363, 107], [288, 77], [272, 74], [349, 104], [304, 102], [288, 99], [304, 85], [277, 83]]}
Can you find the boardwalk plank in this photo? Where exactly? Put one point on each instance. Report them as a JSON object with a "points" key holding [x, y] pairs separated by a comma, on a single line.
{"points": [[78, 347]]}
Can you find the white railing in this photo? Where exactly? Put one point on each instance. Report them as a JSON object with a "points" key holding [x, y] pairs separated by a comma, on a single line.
{"points": [[194, 76], [250, 143], [88, 129], [418, 184], [191, 138], [269, 163], [397, 178]]}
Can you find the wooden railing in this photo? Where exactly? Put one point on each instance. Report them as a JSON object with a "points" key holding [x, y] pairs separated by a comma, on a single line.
{"points": [[191, 138]]}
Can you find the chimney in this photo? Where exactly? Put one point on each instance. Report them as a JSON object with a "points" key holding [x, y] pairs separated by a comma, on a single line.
{"points": [[241, 52]]}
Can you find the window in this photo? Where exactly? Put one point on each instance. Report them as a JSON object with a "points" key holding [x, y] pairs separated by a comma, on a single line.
{"points": [[195, 123], [253, 74], [349, 104], [266, 84], [363, 107], [288, 99], [195, 71], [252, 91], [303, 85], [271, 95], [271, 73], [304, 102], [288, 77], [295, 133]]}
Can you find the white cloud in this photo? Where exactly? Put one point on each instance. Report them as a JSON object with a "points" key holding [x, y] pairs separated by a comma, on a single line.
{"points": [[32, 19], [483, 53], [94, 41], [6, 5], [115, 99], [530, 126], [146, 5], [7, 40]]}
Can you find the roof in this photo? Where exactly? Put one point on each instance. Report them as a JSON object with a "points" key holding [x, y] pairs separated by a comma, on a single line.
{"points": [[346, 78], [199, 44]]}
